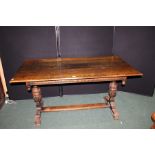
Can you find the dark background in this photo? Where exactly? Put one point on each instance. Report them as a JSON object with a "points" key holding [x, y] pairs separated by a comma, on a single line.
{"points": [[134, 44]]}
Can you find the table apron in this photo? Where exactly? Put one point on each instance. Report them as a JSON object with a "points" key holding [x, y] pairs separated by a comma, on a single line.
{"points": [[71, 81]]}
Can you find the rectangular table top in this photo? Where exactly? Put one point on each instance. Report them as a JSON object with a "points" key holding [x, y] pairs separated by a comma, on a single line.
{"points": [[72, 69]]}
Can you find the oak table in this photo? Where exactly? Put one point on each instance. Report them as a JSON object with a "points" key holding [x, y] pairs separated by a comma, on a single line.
{"points": [[51, 71]]}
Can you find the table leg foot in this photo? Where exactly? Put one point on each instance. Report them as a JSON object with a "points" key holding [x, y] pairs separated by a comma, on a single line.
{"points": [[37, 120], [153, 119], [115, 113]]}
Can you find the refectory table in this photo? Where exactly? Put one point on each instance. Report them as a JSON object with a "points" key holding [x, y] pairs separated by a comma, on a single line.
{"points": [[51, 71]]}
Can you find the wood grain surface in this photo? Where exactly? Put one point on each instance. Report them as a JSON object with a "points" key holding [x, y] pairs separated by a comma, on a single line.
{"points": [[75, 107], [72, 70]]}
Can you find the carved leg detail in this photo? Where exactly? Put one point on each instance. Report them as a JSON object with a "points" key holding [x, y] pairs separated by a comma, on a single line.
{"points": [[111, 99], [36, 92]]}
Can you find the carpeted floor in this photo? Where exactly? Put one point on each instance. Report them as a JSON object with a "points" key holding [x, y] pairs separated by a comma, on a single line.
{"points": [[135, 111]]}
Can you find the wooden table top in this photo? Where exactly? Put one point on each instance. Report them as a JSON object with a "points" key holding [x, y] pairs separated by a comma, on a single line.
{"points": [[69, 69]]}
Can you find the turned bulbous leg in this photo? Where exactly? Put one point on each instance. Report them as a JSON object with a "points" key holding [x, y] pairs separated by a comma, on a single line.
{"points": [[110, 99], [36, 92]]}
